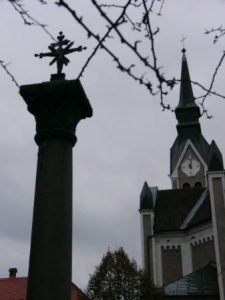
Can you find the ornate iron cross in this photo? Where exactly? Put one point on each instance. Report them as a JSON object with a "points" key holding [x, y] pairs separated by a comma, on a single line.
{"points": [[58, 51]]}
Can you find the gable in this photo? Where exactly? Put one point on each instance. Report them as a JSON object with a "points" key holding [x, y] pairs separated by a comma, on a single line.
{"points": [[187, 148], [199, 143], [209, 153]]}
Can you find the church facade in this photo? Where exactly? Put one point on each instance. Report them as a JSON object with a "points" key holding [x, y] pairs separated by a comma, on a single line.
{"points": [[179, 226]]}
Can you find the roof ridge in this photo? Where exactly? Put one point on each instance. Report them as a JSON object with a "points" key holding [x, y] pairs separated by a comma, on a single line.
{"points": [[7, 278], [194, 210]]}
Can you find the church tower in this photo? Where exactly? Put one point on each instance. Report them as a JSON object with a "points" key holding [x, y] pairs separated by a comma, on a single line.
{"points": [[190, 154], [177, 231]]}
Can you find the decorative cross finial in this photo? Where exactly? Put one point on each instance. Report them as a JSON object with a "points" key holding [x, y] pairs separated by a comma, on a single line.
{"points": [[58, 52], [182, 41]]}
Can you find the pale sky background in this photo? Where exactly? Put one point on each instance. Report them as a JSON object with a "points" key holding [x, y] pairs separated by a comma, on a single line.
{"points": [[126, 142]]}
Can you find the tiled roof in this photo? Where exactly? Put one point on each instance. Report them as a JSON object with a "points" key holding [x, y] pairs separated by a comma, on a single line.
{"points": [[15, 289], [203, 214], [173, 206], [197, 212]]}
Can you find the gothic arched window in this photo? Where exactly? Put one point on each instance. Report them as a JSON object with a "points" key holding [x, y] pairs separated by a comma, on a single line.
{"points": [[198, 184]]}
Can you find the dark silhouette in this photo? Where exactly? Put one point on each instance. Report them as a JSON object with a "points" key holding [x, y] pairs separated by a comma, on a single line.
{"points": [[58, 52], [57, 106], [117, 277]]}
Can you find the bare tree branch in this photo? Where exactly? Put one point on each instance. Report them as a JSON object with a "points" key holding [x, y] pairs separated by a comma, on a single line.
{"points": [[161, 7], [101, 45], [135, 15], [5, 67], [27, 18], [209, 91], [133, 47], [164, 84], [219, 32], [159, 76], [103, 39]]}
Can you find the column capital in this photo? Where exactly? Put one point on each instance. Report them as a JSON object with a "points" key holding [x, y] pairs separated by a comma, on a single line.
{"points": [[57, 106]]}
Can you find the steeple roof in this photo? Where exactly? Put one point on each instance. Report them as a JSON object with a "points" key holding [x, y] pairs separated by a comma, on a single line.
{"points": [[188, 127], [146, 197], [186, 93], [187, 112]]}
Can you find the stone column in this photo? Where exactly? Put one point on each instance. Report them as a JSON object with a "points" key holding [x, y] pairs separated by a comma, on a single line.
{"points": [[57, 106]]}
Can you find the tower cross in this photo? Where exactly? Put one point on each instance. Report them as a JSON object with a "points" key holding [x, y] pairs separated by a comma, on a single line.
{"points": [[183, 40], [59, 50]]}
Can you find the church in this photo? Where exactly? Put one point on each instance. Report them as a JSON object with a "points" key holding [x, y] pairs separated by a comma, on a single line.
{"points": [[183, 228]]}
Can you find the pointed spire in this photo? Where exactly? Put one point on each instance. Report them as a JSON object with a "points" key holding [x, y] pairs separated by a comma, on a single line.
{"points": [[186, 93], [187, 112], [215, 158], [146, 198]]}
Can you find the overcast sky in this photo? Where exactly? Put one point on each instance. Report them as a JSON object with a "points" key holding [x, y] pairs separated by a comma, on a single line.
{"points": [[126, 142]]}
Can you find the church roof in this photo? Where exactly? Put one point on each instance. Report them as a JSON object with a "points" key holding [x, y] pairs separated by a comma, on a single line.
{"points": [[187, 112], [186, 93], [215, 158], [15, 289], [202, 282], [146, 197], [181, 209]]}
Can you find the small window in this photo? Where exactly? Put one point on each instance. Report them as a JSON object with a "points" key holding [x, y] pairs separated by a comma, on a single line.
{"points": [[198, 184], [186, 185]]}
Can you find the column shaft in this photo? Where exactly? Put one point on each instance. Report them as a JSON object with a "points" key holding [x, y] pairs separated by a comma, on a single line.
{"points": [[57, 106], [51, 245]]}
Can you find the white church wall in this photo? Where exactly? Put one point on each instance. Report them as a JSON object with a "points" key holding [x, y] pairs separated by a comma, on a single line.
{"points": [[184, 240]]}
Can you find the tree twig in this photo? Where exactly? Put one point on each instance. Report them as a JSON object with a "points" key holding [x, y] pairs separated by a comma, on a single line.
{"points": [[27, 18], [5, 67]]}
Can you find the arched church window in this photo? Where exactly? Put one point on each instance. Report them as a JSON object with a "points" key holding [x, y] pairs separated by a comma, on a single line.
{"points": [[198, 184], [186, 185]]}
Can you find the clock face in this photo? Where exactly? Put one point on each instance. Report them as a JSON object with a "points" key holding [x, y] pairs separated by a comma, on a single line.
{"points": [[190, 166]]}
